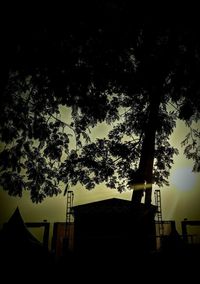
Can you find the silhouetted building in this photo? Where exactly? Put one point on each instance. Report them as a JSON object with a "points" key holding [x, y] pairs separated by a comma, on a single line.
{"points": [[63, 239], [112, 227]]}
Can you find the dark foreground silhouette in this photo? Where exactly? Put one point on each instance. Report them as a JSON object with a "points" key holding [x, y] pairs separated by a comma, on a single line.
{"points": [[23, 258], [171, 262], [180, 263]]}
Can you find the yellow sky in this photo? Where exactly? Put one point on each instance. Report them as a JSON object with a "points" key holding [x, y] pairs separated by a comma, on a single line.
{"points": [[177, 204]]}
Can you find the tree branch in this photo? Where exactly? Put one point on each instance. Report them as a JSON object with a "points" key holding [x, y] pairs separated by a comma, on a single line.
{"points": [[124, 113], [66, 124]]}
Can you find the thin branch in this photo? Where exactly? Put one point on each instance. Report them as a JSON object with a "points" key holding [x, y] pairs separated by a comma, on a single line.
{"points": [[117, 159], [124, 113], [135, 144], [66, 124], [173, 106], [192, 131]]}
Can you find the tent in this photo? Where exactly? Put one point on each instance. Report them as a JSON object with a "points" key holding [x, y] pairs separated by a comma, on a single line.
{"points": [[19, 249]]}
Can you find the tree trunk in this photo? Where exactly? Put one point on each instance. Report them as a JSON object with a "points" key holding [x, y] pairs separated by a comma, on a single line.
{"points": [[144, 178]]}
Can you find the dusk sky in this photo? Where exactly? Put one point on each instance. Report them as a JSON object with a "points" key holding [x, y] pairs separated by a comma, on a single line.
{"points": [[180, 200]]}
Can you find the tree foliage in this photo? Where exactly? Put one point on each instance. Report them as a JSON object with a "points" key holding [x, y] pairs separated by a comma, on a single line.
{"points": [[103, 64]]}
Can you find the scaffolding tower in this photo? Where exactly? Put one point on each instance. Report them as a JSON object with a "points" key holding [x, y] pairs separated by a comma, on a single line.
{"points": [[68, 235], [69, 215], [159, 212]]}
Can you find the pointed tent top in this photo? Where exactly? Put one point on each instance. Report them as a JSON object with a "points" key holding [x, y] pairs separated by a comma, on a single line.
{"points": [[16, 219], [19, 249], [16, 230]]}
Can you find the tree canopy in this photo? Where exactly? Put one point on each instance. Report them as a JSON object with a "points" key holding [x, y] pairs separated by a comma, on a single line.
{"points": [[138, 74]]}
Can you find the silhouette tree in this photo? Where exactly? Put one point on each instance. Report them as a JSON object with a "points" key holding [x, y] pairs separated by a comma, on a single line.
{"points": [[139, 74]]}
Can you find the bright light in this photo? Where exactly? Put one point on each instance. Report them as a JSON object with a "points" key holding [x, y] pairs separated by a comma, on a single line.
{"points": [[183, 179]]}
